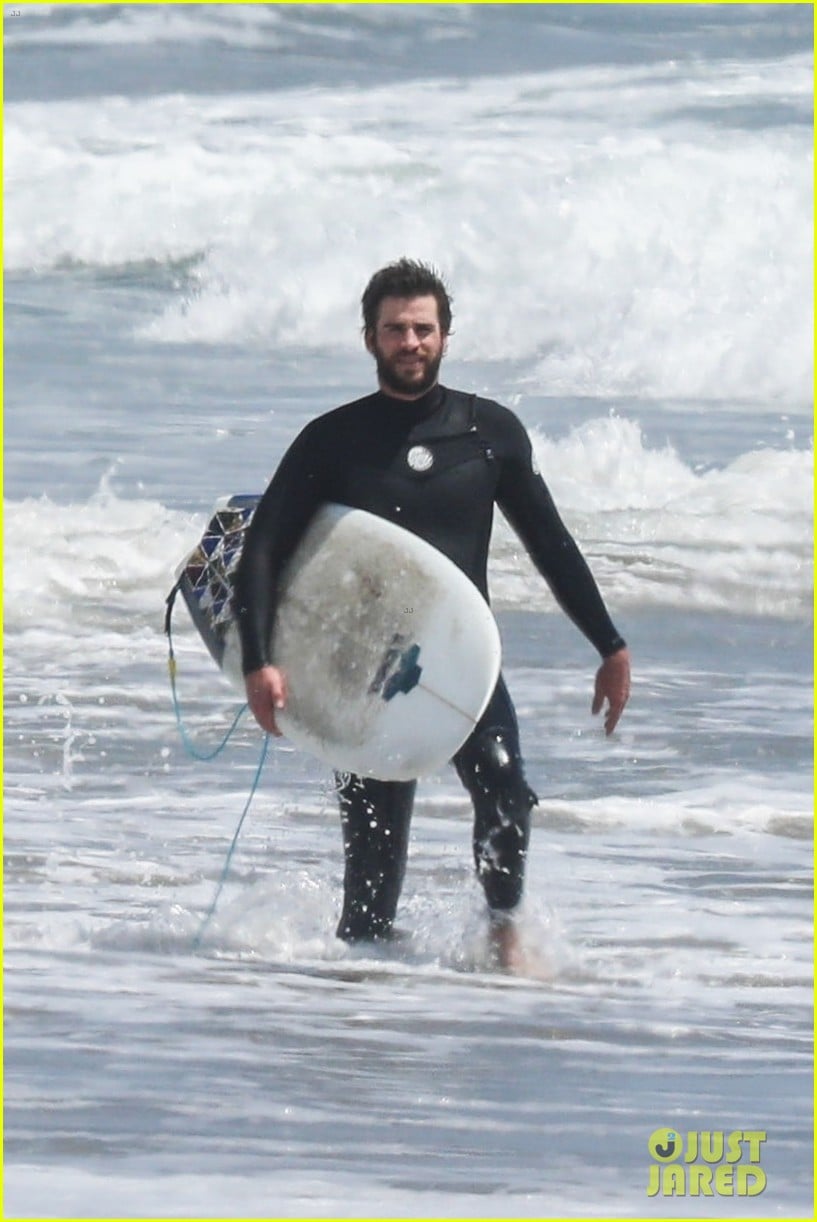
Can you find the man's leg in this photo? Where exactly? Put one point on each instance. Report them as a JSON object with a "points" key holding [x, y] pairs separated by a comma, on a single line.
{"points": [[490, 767], [375, 819]]}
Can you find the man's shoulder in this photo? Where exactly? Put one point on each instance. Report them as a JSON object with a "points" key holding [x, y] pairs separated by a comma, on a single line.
{"points": [[346, 413], [502, 429], [323, 429], [479, 407], [488, 413]]}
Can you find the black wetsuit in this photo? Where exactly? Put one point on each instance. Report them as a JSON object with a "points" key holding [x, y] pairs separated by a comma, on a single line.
{"points": [[436, 466]]}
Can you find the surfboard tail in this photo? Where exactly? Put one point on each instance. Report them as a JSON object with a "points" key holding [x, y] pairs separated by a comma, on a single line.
{"points": [[205, 579]]}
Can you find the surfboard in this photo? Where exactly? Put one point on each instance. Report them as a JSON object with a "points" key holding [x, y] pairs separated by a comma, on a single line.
{"points": [[391, 653]]}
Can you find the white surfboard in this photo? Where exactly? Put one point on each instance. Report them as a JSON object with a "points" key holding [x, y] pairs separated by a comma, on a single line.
{"points": [[391, 653]]}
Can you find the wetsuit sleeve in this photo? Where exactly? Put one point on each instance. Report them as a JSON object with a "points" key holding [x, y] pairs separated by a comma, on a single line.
{"points": [[285, 510], [524, 498]]}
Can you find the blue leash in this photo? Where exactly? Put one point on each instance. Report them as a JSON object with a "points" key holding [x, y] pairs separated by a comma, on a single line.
{"points": [[195, 754], [211, 910], [189, 745]]}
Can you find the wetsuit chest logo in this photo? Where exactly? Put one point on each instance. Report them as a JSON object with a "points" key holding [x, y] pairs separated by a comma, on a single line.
{"points": [[420, 458]]}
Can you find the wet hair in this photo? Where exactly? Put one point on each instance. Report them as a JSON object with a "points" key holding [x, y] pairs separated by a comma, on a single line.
{"points": [[405, 278]]}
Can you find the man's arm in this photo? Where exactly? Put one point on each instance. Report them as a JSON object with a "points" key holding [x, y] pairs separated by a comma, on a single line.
{"points": [[283, 513], [526, 502]]}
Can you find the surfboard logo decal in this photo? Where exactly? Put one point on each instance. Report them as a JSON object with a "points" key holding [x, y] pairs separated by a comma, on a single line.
{"points": [[398, 671]]}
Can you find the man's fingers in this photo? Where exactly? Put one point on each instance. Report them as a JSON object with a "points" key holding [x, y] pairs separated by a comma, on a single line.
{"points": [[611, 720], [598, 699], [266, 694], [263, 711]]}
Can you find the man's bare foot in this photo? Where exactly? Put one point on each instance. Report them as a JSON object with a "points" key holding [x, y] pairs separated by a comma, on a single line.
{"points": [[505, 944]]}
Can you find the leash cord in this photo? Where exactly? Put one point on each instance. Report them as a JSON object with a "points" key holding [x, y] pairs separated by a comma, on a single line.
{"points": [[206, 756], [226, 870], [189, 746]]}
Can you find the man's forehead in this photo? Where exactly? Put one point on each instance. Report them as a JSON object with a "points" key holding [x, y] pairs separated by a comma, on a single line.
{"points": [[409, 309]]}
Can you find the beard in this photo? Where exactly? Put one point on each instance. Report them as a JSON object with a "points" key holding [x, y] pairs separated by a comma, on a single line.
{"points": [[416, 382]]}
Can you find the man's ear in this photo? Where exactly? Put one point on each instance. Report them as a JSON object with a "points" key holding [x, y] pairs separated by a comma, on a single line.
{"points": [[368, 339]]}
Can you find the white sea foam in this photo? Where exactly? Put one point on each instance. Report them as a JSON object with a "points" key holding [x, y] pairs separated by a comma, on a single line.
{"points": [[658, 533], [110, 553], [31, 1192], [617, 230]]}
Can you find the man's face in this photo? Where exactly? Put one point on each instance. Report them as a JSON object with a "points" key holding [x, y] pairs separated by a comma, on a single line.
{"points": [[407, 345]]}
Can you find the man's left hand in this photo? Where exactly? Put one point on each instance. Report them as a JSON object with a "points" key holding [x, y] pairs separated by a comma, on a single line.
{"points": [[612, 685]]}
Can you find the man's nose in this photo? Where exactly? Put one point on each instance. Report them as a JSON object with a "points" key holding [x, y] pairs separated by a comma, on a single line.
{"points": [[410, 338]]}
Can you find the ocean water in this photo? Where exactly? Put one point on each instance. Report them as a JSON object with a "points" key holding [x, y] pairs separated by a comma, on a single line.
{"points": [[621, 199]]}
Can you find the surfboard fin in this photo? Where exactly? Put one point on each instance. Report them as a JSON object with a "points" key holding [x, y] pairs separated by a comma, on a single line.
{"points": [[406, 676]]}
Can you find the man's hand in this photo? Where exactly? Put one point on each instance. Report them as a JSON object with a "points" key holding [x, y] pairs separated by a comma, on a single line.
{"points": [[266, 693], [612, 685]]}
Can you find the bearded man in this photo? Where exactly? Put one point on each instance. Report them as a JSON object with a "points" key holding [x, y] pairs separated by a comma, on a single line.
{"points": [[435, 461]]}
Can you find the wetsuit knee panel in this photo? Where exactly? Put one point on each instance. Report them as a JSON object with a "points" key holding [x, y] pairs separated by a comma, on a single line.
{"points": [[493, 769]]}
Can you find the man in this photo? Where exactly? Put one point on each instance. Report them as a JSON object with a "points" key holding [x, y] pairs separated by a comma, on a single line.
{"points": [[434, 461]]}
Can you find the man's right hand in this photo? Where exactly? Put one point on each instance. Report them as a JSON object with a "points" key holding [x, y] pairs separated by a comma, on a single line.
{"points": [[266, 694]]}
